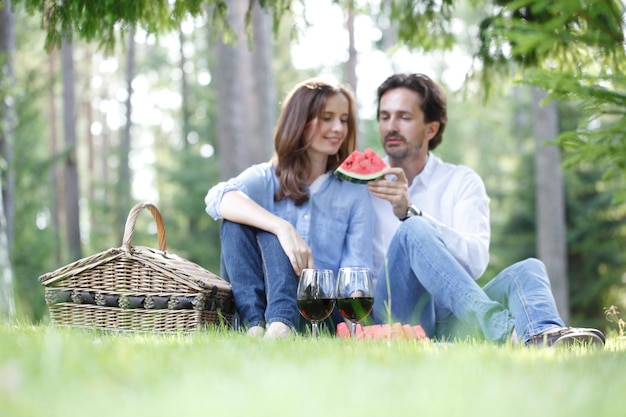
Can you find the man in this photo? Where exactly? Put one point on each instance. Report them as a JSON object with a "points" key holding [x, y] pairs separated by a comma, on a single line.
{"points": [[432, 236]]}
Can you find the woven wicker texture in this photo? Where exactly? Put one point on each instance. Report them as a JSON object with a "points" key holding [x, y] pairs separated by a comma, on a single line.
{"points": [[137, 288]]}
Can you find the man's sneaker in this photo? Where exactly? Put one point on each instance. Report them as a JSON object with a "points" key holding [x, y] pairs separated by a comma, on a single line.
{"points": [[568, 336], [594, 331]]}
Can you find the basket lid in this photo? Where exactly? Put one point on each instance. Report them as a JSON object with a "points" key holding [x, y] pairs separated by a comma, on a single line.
{"points": [[167, 264]]}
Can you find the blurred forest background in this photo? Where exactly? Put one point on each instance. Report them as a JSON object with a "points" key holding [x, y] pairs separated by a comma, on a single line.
{"points": [[105, 104]]}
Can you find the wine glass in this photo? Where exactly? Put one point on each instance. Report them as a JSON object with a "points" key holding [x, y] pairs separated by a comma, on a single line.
{"points": [[354, 294], [316, 296]]}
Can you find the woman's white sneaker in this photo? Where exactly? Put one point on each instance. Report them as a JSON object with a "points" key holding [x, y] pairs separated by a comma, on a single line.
{"points": [[278, 330], [256, 331]]}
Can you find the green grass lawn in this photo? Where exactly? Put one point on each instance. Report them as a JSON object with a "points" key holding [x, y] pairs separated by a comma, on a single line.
{"points": [[50, 371]]}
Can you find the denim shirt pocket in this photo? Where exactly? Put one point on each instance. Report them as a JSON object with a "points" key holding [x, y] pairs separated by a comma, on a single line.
{"points": [[329, 242]]}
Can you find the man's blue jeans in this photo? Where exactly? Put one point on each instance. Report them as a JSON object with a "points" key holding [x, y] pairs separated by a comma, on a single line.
{"points": [[423, 284], [260, 273]]}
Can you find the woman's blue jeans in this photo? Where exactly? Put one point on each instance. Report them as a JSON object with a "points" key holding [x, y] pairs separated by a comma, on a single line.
{"points": [[263, 281], [422, 283]]}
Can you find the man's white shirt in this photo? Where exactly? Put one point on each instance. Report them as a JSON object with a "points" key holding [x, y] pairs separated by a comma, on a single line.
{"points": [[454, 199]]}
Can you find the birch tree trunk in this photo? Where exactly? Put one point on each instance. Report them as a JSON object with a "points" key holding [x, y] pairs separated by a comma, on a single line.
{"points": [[125, 178], [7, 46], [70, 175], [184, 92], [55, 169], [550, 200], [246, 104], [7, 302], [351, 77]]}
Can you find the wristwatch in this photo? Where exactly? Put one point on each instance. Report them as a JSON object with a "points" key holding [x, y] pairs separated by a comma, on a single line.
{"points": [[412, 211]]}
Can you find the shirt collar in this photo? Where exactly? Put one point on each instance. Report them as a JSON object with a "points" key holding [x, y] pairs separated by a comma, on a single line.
{"points": [[319, 181], [428, 172]]}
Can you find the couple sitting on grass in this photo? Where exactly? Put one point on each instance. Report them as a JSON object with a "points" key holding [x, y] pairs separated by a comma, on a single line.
{"points": [[428, 221]]}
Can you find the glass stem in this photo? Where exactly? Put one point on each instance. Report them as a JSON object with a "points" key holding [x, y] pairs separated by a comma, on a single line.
{"points": [[353, 329], [314, 329]]}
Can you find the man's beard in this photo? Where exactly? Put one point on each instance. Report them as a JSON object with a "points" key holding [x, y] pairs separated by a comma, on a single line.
{"points": [[401, 153], [397, 153]]}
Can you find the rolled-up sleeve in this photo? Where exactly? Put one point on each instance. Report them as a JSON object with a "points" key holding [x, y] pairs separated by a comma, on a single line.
{"points": [[215, 194], [257, 182]]}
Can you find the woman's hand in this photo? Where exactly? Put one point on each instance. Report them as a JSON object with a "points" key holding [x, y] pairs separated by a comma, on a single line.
{"points": [[239, 208], [295, 247]]}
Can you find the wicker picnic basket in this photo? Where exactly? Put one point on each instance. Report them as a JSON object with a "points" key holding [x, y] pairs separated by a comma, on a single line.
{"points": [[135, 288]]}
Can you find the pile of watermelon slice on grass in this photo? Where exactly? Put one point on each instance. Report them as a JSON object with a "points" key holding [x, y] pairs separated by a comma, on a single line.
{"points": [[384, 331], [361, 167]]}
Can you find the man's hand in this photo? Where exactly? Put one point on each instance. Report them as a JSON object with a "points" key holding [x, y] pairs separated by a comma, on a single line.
{"points": [[295, 247], [396, 192]]}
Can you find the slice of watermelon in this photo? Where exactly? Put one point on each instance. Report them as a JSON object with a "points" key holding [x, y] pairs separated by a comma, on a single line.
{"points": [[361, 167]]}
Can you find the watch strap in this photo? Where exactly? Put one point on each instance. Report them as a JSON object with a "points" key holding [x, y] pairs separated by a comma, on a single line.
{"points": [[412, 211]]}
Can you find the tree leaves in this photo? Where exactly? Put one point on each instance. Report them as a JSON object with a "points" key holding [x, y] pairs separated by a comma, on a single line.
{"points": [[103, 20]]}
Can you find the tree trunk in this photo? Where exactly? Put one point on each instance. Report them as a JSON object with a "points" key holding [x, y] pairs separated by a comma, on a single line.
{"points": [[550, 200], [263, 78], [7, 303], [351, 78], [7, 44], [86, 100], [245, 93], [55, 174], [125, 180], [184, 92], [72, 194]]}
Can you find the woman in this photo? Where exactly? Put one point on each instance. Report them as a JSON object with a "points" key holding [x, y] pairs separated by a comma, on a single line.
{"points": [[291, 213]]}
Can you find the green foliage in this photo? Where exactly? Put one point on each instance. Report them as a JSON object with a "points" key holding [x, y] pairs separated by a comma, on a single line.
{"points": [[279, 9], [595, 241], [183, 174], [595, 235], [574, 49], [497, 141], [191, 232], [494, 139], [600, 138], [535, 33], [102, 20], [576, 46], [33, 249], [421, 24]]}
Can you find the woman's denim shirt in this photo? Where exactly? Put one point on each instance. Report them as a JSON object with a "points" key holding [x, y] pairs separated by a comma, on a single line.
{"points": [[337, 221]]}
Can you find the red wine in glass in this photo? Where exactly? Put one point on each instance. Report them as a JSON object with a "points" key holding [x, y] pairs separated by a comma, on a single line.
{"points": [[316, 295], [355, 308], [316, 309], [354, 294]]}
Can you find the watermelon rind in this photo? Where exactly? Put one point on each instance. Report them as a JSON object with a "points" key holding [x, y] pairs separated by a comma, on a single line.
{"points": [[357, 178]]}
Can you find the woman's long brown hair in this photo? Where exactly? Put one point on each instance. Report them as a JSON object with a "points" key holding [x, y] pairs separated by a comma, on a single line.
{"points": [[302, 106]]}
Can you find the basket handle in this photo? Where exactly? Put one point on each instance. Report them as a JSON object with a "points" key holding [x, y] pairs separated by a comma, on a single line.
{"points": [[129, 229]]}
